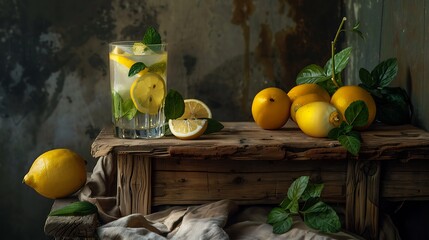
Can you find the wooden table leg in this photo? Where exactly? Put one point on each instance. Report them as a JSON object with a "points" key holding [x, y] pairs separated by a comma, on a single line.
{"points": [[133, 184], [362, 199]]}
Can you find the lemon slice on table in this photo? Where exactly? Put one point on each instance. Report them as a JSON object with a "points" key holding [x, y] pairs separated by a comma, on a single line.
{"points": [[195, 108], [187, 129], [148, 93]]}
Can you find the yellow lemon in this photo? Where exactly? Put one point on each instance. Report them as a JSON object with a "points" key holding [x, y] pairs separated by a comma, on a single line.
{"points": [[345, 95], [195, 108], [302, 89], [57, 173], [187, 129], [270, 108], [316, 119], [148, 92], [304, 99]]}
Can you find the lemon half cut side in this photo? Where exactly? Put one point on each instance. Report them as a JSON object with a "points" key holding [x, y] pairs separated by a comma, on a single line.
{"points": [[195, 108], [187, 129]]}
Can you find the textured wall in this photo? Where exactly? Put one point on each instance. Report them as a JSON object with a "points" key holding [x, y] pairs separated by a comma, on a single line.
{"points": [[54, 89]]}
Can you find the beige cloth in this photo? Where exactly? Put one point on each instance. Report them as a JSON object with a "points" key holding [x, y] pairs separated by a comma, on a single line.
{"points": [[218, 220]]}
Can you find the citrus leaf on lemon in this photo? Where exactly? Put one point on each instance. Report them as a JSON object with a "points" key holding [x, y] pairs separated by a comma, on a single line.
{"points": [[174, 105], [187, 129], [148, 93]]}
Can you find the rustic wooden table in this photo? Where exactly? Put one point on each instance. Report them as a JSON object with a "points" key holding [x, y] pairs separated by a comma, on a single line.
{"points": [[255, 166]]}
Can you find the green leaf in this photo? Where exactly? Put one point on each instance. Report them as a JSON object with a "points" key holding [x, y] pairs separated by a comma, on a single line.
{"points": [[385, 72], [174, 105], [357, 114], [313, 190], [295, 191], [325, 221], [136, 68], [367, 79], [277, 215], [285, 203], [356, 30], [123, 108], [311, 74], [117, 105], [151, 36], [351, 143], [75, 209], [316, 207], [329, 86], [213, 126], [282, 227], [129, 111], [341, 60], [394, 106]]}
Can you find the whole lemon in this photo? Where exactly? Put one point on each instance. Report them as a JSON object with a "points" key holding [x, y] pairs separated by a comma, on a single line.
{"points": [[345, 95], [306, 88], [316, 119], [57, 173], [270, 108], [305, 99]]}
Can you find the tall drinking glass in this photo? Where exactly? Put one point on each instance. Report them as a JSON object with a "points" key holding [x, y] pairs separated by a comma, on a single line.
{"points": [[138, 100]]}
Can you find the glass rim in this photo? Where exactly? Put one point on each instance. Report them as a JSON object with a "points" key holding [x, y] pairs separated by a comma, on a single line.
{"points": [[131, 43]]}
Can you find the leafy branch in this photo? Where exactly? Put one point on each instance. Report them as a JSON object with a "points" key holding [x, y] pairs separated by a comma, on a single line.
{"points": [[303, 199], [356, 116], [334, 66], [393, 103]]}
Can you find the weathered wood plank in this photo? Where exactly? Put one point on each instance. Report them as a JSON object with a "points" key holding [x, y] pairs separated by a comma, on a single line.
{"points": [[133, 184], [246, 141], [259, 183], [405, 181], [68, 227], [362, 212]]}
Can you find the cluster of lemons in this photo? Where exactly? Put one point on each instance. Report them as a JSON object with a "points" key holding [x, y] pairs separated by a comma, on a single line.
{"points": [[310, 106]]}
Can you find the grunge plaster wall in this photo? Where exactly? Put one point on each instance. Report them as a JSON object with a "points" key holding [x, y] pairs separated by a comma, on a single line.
{"points": [[54, 88]]}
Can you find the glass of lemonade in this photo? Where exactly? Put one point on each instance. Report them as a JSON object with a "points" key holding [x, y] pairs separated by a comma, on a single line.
{"points": [[138, 100]]}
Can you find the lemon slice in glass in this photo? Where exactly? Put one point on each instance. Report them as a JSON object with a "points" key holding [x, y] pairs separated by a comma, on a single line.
{"points": [[125, 61], [187, 129], [195, 108], [148, 93]]}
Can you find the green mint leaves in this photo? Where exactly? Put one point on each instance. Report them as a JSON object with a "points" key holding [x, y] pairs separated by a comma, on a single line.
{"points": [[303, 199], [393, 103], [136, 68], [151, 36], [81, 208], [175, 107], [356, 116], [123, 108]]}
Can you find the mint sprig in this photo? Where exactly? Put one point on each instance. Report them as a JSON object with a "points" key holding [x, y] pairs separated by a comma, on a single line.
{"points": [[303, 199], [151, 36], [356, 116]]}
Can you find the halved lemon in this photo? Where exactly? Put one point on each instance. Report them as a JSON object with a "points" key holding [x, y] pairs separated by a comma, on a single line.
{"points": [[195, 108], [148, 93], [187, 129]]}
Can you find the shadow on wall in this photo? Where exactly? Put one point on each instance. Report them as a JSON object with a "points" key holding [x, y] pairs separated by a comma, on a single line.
{"points": [[54, 89]]}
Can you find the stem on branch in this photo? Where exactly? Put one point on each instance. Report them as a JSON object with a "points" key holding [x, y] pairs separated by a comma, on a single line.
{"points": [[333, 52]]}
